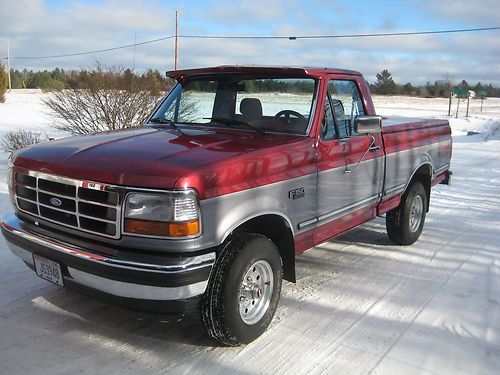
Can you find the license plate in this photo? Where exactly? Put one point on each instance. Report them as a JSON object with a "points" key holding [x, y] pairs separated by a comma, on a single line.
{"points": [[48, 269]]}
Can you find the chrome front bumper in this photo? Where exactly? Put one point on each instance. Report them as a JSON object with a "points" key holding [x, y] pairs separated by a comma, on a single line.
{"points": [[184, 279]]}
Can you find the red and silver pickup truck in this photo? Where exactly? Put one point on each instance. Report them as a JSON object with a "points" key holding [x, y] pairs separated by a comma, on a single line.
{"points": [[236, 172]]}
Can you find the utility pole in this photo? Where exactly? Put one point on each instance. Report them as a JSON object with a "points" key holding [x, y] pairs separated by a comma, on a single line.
{"points": [[176, 40], [8, 64]]}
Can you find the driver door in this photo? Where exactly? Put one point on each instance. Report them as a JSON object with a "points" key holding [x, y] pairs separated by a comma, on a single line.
{"points": [[350, 166]]}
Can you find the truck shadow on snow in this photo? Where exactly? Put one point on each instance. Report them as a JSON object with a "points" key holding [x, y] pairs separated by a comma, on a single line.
{"points": [[372, 233], [76, 311]]}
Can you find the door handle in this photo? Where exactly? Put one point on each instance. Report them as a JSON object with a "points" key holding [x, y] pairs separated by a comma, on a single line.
{"points": [[374, 148]]}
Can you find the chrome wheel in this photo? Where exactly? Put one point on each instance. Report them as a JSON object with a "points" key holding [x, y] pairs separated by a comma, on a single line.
{"points": [[256, 291], [416, 211]]}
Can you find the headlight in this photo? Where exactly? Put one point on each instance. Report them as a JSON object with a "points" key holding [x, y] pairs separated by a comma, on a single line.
{"points": [[173, 214]]}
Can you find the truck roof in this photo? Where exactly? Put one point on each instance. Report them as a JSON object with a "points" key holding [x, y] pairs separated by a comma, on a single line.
{"points": [[312, 71]]}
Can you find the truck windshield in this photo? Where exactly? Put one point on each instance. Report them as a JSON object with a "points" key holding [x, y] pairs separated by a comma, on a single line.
{"points": [[269, 104]]}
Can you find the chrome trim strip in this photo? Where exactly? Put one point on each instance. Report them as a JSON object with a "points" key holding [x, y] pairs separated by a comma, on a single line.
{"points": [[119, 288], [307, 223], [63, 180], [192, 263], [138, 291], [396, 189], [339, 212]]}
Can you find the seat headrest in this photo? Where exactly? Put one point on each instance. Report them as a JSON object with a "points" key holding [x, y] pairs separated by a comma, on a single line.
{"points": [[251, 109]]}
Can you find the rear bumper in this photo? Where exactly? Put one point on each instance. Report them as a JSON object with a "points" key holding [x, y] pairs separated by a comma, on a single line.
{"points": [[174, 287]]}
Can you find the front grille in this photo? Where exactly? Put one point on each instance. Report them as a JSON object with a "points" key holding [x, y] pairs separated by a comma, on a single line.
{"points": [[83, 205]]}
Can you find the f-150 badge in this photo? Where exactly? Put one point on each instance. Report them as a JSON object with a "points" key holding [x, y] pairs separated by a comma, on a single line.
{"points": [[297, 193]]}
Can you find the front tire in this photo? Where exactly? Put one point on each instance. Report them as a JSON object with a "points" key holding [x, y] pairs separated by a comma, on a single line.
{"points": [[404, 224], [243, 290]]}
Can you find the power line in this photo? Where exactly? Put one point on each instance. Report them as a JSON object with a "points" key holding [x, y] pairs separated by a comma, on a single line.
{"points": [[92, 52], [256, 37], [342, 35]]}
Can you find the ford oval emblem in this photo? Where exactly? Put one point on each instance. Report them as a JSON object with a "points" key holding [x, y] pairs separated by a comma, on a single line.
{"points": [[55, 201]]}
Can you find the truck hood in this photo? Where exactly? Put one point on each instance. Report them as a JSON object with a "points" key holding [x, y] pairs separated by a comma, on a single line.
{"points": [[142, 157]]}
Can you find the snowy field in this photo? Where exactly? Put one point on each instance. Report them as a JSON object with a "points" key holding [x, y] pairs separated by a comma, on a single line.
{"points": [[361, 305]]}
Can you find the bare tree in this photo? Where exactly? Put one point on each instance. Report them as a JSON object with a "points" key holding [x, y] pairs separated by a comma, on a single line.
{"points": [[188, 109], [104, 98], [15, 140]]}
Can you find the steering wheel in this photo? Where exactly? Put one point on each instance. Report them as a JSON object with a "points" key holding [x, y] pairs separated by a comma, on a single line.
{"points": [[286, 115]]}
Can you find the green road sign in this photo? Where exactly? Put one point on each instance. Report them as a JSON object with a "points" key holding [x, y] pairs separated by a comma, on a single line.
{"points": [[482, 94], [460, 93]]}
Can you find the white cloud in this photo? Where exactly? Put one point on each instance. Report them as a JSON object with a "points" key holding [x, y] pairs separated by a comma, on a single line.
{"points": [[21, 16], [116, 15], [479, 12], [248, 11]]}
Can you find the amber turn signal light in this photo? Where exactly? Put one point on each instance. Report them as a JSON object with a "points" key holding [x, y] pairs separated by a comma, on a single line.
{"points": [[163, 229]]}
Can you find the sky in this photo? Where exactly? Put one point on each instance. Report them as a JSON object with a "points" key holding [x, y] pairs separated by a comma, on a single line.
{"points": [[52, 27]]}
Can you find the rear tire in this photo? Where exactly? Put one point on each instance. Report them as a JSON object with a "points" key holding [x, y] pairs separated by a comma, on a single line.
{"points": [[404, 224], [243, 290]]}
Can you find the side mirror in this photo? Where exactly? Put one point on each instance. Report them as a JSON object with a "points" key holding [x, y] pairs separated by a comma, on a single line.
{"points": [[368, 124]]}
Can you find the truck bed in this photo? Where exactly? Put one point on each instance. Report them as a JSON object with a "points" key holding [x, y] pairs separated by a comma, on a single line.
{"points": [[410, 143]]}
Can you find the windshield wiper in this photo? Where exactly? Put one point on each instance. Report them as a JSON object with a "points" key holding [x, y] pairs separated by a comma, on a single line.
{"points": [[162, 121], [232, 122]]}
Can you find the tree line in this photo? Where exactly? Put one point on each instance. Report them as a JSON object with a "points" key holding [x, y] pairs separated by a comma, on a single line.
{"points": [[4, 83], [386, 85], [58, 79], [296, 86]]}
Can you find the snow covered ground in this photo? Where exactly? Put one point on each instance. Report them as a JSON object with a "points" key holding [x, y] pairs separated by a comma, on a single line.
{"points": [[361, 305]]}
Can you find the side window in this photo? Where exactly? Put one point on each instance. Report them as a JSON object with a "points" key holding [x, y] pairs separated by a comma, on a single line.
{"points": [[328, 130], [347, 104]]}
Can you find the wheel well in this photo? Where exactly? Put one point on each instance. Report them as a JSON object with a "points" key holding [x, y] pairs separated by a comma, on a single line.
{"points": [[424, 175], [278, 230]]}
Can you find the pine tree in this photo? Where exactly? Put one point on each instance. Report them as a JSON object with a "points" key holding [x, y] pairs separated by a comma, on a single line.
{"points": [[408, 89], [4, 83], [385, 84]]}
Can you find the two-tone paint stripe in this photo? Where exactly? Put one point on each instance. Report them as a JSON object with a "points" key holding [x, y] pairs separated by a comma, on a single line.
{"points": [[337, 214]]}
